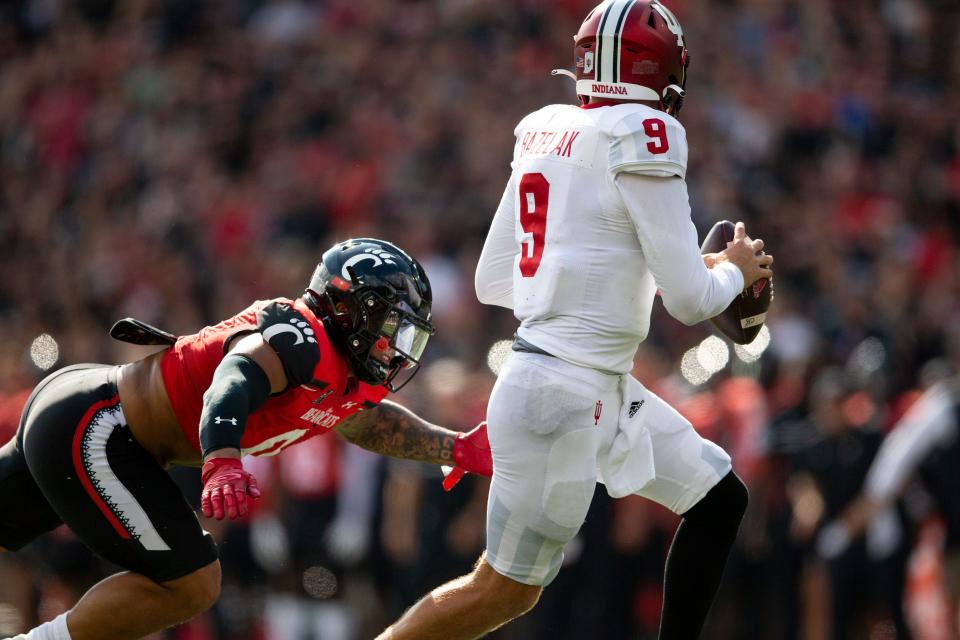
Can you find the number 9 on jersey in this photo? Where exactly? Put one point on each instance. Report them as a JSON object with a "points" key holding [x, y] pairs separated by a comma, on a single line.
{"points": [[534, 199]]}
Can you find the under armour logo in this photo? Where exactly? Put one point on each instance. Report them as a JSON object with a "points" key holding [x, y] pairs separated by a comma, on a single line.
{"points": [[596, 413], [634, 407], [218, 420]]}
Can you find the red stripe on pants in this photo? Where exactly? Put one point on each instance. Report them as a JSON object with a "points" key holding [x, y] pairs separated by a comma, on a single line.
{"points": [[82, 470]]}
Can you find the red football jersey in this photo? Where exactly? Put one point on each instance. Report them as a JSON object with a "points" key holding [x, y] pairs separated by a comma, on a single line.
{"points": [[320, 392]]}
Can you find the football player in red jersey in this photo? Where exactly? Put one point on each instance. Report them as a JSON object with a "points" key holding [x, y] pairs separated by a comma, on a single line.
{"points": [[94, 440]]}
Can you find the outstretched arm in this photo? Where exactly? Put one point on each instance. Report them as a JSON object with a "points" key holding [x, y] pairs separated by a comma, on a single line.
{"points": [[391, 430]]}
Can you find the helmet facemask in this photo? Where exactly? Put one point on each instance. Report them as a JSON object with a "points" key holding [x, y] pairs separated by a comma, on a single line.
{"points": [[388, 346]]}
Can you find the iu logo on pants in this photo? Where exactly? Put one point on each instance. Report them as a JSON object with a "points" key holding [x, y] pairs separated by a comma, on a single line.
{"points": [[596, 413]]}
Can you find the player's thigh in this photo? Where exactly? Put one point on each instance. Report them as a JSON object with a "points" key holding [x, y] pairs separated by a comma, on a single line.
{"points": [[687, 465], [24, 511], [104, 485], [543, 428]]}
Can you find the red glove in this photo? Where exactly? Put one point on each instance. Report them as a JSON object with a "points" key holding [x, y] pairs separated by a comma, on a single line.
{"points": [[471, 452], [226, 484]]}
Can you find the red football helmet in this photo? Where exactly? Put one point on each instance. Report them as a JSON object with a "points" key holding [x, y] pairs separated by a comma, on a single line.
{"points": [[631, 50]]}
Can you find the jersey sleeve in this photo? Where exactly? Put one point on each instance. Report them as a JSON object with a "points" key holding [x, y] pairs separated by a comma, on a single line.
{"points": [[648, 143], [493, 280], [289, 333], [660, 211]]}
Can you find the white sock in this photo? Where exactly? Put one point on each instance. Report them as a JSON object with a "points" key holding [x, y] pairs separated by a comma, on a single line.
{"points": [[56, 629]]}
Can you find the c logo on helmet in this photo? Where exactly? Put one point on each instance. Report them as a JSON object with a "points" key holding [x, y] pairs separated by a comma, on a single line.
{"points": [[378, 256]]}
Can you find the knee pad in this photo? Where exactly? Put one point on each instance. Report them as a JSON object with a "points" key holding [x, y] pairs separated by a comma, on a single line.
{"points": [[725, 503]]}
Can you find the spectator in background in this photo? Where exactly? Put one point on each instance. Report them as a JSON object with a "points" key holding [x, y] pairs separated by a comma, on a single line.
{"points": [[829, 476], [923, 445]]}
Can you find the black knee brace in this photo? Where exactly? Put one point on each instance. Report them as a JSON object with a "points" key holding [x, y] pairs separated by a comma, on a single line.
{"points": [[697, 557], [724, 505]]}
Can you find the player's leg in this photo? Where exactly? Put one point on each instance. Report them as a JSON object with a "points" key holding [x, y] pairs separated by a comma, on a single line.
{"points": [[24, 511], [129, 605], [698, 556], [465, 608], [694, 478], [24, 515], [151, 605], [123, 505], [542, 422]]}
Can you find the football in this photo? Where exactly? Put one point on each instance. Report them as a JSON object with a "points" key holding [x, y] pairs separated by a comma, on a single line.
{"points": [[743, 319]]}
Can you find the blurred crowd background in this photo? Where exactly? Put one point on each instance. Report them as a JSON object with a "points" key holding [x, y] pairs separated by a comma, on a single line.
{"points": [[174, 160]]}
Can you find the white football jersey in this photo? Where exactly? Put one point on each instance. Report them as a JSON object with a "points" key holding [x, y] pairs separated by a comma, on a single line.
{"points": [[578, 252]]}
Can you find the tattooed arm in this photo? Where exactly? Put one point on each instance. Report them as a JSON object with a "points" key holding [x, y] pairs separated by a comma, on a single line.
{"points": [[391, 430]]}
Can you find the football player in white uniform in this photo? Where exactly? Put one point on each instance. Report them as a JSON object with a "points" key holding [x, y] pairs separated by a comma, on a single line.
{"points": [[595, 218]]}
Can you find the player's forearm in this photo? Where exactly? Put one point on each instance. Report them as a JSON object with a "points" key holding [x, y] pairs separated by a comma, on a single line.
{"points": [[660, 210], [692, 293], [391, 430]]}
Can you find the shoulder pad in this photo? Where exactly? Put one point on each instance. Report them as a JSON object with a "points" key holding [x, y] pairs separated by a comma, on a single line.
{"points": [[291, 336], [648, 142]]}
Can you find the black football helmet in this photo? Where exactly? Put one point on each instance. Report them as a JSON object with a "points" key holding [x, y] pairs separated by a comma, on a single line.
{"points": [[374, 301]]}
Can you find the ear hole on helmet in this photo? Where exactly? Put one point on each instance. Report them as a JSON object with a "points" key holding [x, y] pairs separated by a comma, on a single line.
{"points": [[651, 21]]}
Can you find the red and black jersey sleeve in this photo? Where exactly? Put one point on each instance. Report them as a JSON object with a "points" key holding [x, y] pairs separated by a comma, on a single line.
{"points": [[289, 333]]}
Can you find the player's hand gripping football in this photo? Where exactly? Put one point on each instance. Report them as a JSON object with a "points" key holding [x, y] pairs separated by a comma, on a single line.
{"points": [[471, 453], [226, 486], [748, 255]]}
